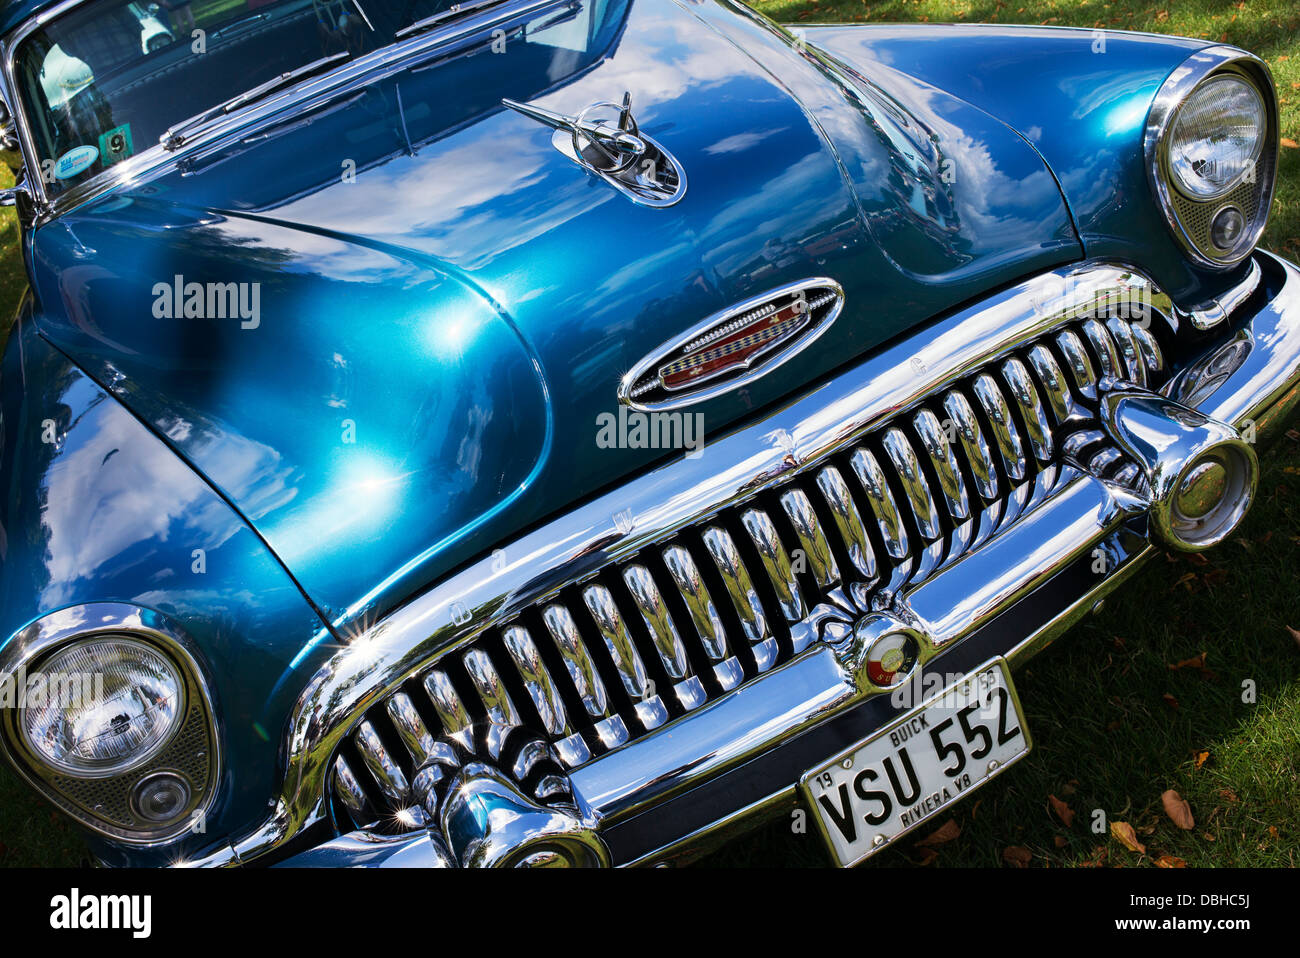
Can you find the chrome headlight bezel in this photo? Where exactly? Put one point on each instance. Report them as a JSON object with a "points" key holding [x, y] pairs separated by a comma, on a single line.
{"points": [[1189, 216], [105, 803]]}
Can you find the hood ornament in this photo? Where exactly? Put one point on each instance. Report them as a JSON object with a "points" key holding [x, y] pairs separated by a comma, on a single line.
{"points": [[734, 346], [605, 139]]}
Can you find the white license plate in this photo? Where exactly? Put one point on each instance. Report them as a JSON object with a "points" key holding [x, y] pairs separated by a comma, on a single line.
{"points": [[910, 770]]}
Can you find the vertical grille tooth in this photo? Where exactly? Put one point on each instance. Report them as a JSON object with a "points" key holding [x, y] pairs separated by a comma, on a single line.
{"points": [[687, 688], [1103, 460], [978, 455], [410, 728], [740, 588], [1076, 357], [811, 538], [586, 681], [386, 772], [1148, 348], [501, 713], [1025, 396], [847, 521], [350, 791], [776, 563], [627, 660], [1080, 440], [1057, 390], [1104, 346], [940, 451], [545, 696], [917, 490], [1128, 350], [872, 478], [989, 395], [704, 616], [451, 711]]}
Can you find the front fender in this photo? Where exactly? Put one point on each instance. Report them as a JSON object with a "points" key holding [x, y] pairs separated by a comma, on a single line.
{"points": [[96, 508], [1080, 97]]}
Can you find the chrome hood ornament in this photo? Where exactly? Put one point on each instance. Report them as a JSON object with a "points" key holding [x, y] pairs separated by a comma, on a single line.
{"points": [[605, 139], [734, 346]]}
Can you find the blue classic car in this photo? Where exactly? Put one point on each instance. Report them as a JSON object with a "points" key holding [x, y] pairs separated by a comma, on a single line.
{"points": [[566, 432]]}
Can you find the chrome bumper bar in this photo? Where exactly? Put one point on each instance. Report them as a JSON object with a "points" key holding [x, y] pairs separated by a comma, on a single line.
{"points": [[665, 795]]}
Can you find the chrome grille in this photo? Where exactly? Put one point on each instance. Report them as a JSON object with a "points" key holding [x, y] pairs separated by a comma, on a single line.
{"points": [[625, 650]]}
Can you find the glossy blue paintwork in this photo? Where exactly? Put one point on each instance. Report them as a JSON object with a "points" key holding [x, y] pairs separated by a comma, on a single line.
{"points": [[438, 333], [107, 512], [1080, 97], [469, 302]]}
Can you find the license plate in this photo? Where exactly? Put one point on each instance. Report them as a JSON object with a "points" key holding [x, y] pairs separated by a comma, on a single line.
{"points": [[913, 768]]}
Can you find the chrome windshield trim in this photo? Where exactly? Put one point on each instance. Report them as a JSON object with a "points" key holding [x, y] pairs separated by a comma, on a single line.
{"points": [[797, 436], [308, 94]]}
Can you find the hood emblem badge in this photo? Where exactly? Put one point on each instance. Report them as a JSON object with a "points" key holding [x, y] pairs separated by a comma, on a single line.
{"points": [[734, 346], [606, 140]]}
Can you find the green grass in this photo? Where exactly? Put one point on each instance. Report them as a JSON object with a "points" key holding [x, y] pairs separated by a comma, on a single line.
{"points": [[1105, 735]]}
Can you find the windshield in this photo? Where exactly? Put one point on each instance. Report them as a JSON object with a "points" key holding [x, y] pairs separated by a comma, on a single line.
{"points": [[106, 80]]}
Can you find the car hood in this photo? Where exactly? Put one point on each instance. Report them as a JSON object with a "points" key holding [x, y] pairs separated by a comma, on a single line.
{"points": [[431, 305]]}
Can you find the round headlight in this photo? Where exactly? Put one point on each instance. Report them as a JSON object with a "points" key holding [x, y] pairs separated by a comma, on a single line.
{"points": [[1216, 136], [107, 704]]}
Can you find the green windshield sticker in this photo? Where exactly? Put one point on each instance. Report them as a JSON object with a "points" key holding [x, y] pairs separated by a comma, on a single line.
{"points": [[115, 144]]}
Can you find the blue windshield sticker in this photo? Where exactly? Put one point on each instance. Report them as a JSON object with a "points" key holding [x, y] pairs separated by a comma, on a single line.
{"points": [[115, 144], [75, 161]]}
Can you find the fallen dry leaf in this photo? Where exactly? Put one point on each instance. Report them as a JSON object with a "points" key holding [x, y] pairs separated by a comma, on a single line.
{"points": [[1170, 861], [1170, 700], [926, 855], [1289, 143], [1059, 841], [1124, 833], [1197, 662], [1178, 810], [1201, 758], [1017, 856], [1295, 634], [1063, 811], [1208, 836], [943, 834], [1229, 796]]}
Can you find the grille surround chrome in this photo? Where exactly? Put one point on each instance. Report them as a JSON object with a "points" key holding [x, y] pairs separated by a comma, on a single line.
{"points": [[1256, 384], [648, 627]]}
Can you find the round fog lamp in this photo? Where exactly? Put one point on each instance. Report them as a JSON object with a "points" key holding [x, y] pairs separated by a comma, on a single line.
{"points": [[161, 797], [1227, 228]]}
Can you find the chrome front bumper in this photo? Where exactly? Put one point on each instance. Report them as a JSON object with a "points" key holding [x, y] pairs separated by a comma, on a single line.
{"points": [[672, 792]]}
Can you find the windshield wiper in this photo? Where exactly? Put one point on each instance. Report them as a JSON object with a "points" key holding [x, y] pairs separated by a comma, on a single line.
{"points": [[454, 12], [175, 136]]}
